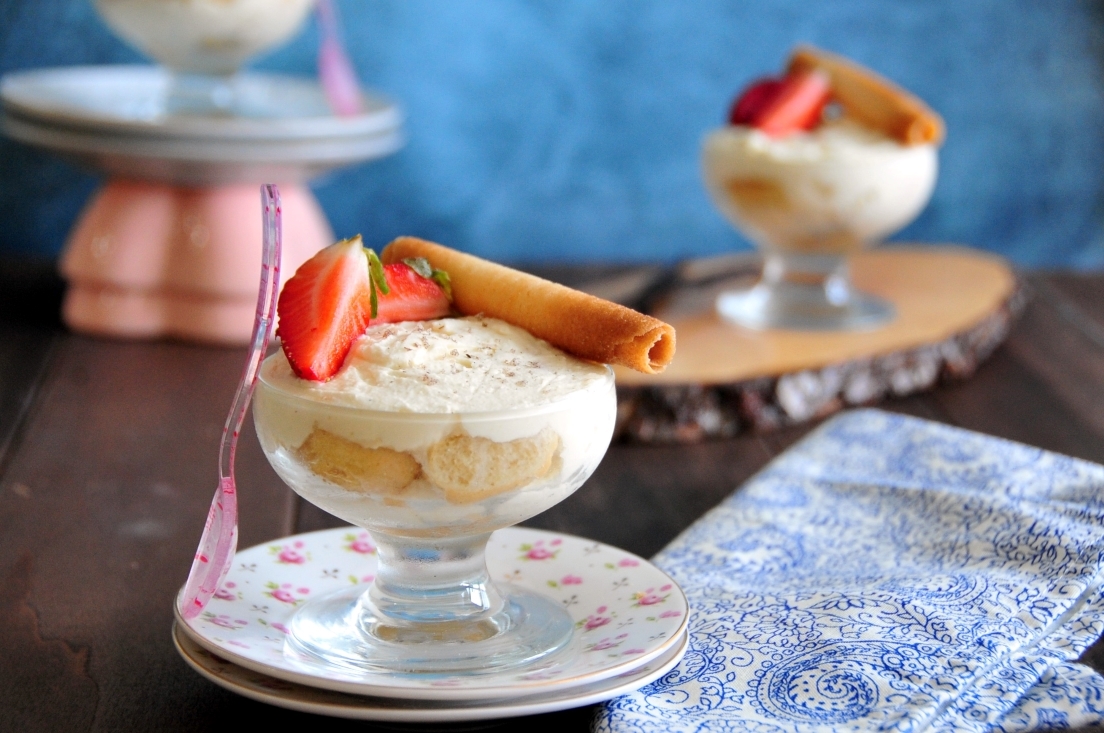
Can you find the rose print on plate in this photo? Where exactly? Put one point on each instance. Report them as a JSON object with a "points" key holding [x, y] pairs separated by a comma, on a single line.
{"points": [[286, 593], [224, 621], [595, 620], [568, 579], [539, 550], [227, 592], [360, 543], [293, 553], [651, 596]]}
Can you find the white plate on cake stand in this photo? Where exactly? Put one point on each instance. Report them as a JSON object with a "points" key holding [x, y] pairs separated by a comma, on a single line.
{"points": [[627, 612], [113, 118], [262, 688]]}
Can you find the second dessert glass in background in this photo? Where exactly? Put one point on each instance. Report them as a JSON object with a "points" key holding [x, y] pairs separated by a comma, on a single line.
{"points": [[203, 44], [811, 196]]}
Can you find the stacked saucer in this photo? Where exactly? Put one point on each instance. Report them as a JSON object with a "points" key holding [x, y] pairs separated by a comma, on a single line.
{"points": [[630, 629], [115, 119]]}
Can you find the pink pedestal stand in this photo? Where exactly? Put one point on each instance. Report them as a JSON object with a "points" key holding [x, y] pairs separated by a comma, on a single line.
{"points": [[171, 245], [150, 259]]}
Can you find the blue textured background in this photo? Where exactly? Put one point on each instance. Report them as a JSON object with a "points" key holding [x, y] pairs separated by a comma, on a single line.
{"points": [[569, 129]]}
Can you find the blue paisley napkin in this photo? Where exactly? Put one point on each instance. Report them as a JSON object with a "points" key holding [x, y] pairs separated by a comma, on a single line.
{"points": [[893, 574]]}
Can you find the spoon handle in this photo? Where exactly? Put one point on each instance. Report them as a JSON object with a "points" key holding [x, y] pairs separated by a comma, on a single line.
{"points": [[335, 70], [220, 533]]}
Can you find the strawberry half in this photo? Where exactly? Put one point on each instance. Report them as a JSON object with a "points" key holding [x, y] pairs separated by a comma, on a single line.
{"points": [[324, 308], [753, 100], [783, 107], [417, 292]]}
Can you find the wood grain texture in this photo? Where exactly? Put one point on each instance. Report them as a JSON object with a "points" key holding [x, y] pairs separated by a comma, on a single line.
{"points": [[103, 501], [111, 468], [938, 292]]}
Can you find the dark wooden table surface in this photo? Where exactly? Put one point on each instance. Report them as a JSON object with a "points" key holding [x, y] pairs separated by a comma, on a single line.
{"points": [[108, 462]]}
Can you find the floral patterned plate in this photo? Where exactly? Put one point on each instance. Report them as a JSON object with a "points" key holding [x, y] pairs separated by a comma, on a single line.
{"points": [[627, 612], [260, 687]]}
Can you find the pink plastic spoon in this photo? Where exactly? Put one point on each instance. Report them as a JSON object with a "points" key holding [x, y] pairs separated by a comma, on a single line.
{"points": [[335, 71], [220, 534]]}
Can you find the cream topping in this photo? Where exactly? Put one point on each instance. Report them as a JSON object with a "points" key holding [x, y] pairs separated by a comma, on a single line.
{"points": [[450, 365], [803, 191]]}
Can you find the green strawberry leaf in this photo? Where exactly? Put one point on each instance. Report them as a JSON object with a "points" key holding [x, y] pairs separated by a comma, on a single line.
{"points": [[375, 267], [421, 266], [377, 280], [442, 278]]}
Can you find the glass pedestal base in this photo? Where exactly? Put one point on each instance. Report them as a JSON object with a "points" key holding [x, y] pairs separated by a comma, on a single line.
{"points": [[342, 630], [808, 293], [432, 608]]}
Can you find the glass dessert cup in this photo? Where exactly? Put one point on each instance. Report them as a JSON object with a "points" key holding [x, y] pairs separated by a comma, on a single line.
{"points": [[808, 204], [203, 43], [430, 489]]}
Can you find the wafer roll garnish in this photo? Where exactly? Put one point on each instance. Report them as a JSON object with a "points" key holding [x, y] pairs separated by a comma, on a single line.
{"points": [[580, 324], [872, 100]]}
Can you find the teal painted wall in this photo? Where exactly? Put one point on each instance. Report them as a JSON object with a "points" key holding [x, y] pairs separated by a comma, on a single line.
{"points": [[568, 130]]}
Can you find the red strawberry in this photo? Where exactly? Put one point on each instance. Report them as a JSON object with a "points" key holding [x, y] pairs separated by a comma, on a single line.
{"points": [[749, 104], [782, 107], [797, 105], [417, 292], [324, 308]]}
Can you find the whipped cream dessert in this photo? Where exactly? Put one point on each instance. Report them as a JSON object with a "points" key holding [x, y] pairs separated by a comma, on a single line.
{"points": [[832, 190], [448, 365], [206, 36], [439, 427]]}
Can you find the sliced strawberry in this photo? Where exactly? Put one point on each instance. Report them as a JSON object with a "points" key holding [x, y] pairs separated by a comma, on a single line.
{"points": [[780, 107], [796, 106], [749, 104], [417, 292], [324, 308]]}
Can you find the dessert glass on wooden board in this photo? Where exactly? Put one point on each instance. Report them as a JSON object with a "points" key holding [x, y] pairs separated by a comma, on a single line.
{"points": [[833, 161]]}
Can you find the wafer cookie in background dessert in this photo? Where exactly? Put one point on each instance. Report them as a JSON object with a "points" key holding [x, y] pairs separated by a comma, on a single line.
{"points": [[870, 99]]}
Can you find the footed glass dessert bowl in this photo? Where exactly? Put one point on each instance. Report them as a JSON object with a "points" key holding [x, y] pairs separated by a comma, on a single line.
{"points": [[203, 43], [808, 202], [430, 487], [813, 167]]}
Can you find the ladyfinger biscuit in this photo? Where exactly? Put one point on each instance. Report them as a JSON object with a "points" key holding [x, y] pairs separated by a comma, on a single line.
{"points": [[357, 468], [470, 468]]}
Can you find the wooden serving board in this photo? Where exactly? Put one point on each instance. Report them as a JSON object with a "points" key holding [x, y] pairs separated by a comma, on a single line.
{"points": [[954, 306]]}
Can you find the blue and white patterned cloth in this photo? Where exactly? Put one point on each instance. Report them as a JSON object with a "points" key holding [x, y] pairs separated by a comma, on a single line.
{"points": [[889, 573]]}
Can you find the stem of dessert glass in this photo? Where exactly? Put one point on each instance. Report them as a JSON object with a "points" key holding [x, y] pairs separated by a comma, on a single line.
{"points": [[812, 272], [425, 583]]}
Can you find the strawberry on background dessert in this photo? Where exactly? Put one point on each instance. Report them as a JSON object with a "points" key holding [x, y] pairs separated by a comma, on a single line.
{"points": [[825, 159]]}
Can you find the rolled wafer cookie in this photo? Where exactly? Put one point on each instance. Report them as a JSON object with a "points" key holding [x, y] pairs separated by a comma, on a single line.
{"points": [[873, 100], [580, 324]]}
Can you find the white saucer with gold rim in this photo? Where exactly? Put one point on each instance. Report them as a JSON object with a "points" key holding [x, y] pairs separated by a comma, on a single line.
{"points": [[262, 688]]}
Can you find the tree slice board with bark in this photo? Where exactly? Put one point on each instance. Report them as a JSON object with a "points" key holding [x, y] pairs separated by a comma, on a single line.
{"points": [[954, 306]]}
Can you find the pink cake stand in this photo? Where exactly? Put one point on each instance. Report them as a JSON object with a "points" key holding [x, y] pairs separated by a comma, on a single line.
{"points": [[169, 246]]}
